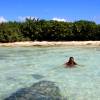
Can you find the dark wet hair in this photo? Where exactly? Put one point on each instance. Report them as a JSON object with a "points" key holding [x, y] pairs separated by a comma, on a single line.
{"points": [[71, 58]]}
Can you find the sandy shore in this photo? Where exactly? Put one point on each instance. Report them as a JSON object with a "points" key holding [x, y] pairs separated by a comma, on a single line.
{"points": [[53, 43]]}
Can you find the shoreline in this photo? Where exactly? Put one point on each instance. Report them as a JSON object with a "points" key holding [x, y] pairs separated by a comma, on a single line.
{"points": [[51, 43]]}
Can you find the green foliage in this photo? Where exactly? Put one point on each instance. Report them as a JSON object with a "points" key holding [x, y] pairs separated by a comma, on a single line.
{"points": [[10, 32], [35, 29]]}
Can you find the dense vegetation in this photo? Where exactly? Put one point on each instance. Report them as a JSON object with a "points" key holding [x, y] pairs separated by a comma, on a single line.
{"points": [[42, 30]]}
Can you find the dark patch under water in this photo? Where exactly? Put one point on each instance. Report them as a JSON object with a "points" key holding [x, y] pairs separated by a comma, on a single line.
{"points": [[43, 90], [37, 76]]}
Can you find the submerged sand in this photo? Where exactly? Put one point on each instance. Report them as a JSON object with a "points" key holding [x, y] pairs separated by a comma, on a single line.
{"points": [[53, 43]]}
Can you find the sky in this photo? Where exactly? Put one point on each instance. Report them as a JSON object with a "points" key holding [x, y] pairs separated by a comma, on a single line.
{"points": [[61, 10]]}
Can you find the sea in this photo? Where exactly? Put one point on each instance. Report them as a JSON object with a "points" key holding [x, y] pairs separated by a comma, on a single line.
{"points": [[20, 67]]}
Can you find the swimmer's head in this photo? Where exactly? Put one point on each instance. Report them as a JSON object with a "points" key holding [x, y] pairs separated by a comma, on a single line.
{"points": [[71, 58]]}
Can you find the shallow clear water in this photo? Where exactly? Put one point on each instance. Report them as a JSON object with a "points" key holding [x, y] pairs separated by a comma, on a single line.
{"points": [[22, 66]]}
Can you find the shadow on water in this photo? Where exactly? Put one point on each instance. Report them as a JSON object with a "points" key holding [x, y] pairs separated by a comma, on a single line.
{"points": [[43, 90], [11, 79], [4, 56], [37, 76]]}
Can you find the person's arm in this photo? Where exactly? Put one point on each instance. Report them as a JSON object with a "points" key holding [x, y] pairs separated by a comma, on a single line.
{"points": [[75, 63]]}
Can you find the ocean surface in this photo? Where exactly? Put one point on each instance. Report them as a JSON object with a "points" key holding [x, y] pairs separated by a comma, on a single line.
{"points": [[23, 66]]}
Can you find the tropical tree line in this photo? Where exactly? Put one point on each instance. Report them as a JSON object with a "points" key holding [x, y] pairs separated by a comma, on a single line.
{"points": [[49, 30]]}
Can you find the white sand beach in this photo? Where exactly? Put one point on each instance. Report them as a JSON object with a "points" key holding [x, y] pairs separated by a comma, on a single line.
{"points": [[53, 43]]}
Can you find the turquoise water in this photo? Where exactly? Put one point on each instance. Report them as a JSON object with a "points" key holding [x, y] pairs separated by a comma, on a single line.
{"points": [[22, 66]]}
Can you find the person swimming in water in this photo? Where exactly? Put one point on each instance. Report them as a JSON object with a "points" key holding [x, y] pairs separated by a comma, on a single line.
{"points": [[71, 62]]}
